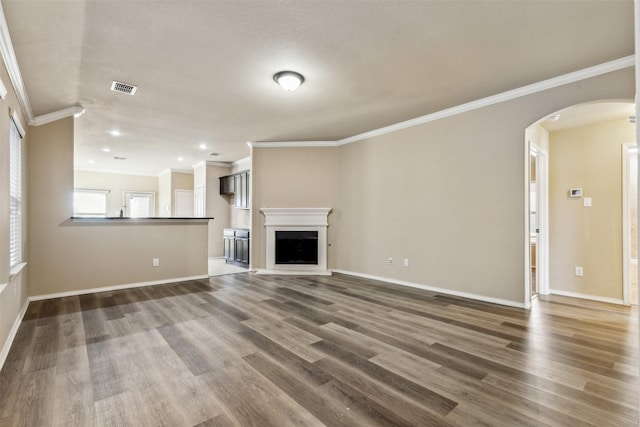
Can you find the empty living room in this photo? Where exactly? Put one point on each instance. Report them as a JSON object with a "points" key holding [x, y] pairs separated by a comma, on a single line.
{"points": [[319, 213]]}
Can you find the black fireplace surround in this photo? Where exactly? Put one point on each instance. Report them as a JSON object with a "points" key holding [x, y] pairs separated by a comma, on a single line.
{"points": [[296, 247]]}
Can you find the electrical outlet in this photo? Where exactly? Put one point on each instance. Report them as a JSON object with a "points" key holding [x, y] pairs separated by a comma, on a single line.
{"points": [[390, 260], [406, 262], [579, 271], [156, 262]]}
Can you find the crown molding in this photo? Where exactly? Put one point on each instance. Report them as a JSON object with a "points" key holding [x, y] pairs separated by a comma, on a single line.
{"points": [[210, 163], [113, 172], [57, 115], [11, 62], [290, 144], [3, 90], [576, 76], [13, 69], [240, 161]]}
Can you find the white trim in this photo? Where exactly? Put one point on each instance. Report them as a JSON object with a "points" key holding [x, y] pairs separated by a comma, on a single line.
{"points": [[3, 90], [12, 334], [114, 172], [16, 269], [171, 170], [18, 122], [576, 76], [294, 144], [476, 297], [76, 110], [115, 288], [11, 63], [586, 296], [210, 163], [626, 222], [586, 73], [239, 161]]}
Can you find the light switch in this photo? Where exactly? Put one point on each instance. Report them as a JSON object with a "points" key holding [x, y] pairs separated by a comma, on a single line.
{"points": [[587, 202]]}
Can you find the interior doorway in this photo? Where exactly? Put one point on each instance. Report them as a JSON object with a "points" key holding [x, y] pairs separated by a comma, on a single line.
{"points": [[630, 223], [538, 215]]}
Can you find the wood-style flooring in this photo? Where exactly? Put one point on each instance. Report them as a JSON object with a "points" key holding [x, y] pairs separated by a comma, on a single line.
{"points": [[247, 350]]}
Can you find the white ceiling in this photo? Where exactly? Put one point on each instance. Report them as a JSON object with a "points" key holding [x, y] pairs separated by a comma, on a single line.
{"points": [[204, 68], [584, 114]]}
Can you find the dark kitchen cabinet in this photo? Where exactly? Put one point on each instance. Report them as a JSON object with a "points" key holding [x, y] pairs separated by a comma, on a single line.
{"points": [[236, 246], [237, 184]]}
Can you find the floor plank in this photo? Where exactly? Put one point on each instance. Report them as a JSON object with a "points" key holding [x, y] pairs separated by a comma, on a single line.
{"points": [[244, 350]]}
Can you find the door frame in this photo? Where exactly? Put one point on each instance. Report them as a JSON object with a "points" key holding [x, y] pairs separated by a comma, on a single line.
{"points": [[542, 241], [626, 223]]}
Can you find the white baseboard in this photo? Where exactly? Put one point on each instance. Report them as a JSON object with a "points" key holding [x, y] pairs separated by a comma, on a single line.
{"points": [[115, 288], [435, 289], [586, 296], [12, 334]]}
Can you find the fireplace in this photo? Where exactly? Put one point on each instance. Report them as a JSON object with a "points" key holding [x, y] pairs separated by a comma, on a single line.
{"points": [[296, 241]]}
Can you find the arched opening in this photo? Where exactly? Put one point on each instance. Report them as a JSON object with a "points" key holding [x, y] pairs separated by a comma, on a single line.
{"points": [[581, 208]]}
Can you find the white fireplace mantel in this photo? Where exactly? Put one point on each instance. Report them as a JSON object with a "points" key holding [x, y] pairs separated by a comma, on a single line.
{"points": [[296, 219]]}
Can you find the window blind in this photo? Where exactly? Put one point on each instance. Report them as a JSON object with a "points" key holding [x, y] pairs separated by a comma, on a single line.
{"points": [[15, 195]]}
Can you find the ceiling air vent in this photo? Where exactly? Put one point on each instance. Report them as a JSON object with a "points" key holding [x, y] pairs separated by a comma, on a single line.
{"points": [[119, 158], [214, 154], [123, 88]]}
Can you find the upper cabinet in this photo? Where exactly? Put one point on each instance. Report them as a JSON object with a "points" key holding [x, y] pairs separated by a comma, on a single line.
{"points": [[239, 185]]}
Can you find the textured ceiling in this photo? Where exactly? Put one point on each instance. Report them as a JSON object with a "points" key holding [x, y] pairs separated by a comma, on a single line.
{"points": [[204, 68]]}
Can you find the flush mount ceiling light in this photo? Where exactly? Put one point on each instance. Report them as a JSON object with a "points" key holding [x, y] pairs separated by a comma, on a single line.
{"points": [[115, 132], [288, 80]]}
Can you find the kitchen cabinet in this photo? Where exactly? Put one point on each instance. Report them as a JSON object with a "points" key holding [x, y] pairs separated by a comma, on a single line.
{"points": [[236, 246], [237, 184]]}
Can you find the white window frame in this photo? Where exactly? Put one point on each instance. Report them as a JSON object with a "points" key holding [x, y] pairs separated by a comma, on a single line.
{"points": [[16, 133], [102, 193]]}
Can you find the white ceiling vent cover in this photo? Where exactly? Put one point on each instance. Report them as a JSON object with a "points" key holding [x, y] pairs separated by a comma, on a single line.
{"points": [[123, 88]]}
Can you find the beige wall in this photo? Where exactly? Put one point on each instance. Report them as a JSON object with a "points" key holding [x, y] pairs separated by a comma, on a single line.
{"points": [[588, 157], [117, 184], [292, 178], [72, 257], [216, 206], [449, 195], [164, 194]]}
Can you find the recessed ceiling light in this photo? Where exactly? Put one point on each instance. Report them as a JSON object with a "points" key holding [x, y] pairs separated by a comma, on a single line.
{"points": [[203, 146], [92, 161], [553, 118], [180, 159], [106, 149], [115, 132], [288, 80]]}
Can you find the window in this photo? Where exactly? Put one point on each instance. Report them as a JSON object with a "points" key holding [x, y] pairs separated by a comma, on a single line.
{"points": [[90, 203], [15, 194]]}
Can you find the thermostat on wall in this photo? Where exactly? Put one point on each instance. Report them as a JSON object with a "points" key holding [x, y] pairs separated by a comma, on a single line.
{"points": [[575, 192]]}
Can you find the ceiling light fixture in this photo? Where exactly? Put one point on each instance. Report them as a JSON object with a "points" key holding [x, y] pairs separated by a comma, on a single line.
{"points": [[106, 149], [288, 80], [553, 118], [203, 146], [92, 161], [115, 132], [180, 159]]}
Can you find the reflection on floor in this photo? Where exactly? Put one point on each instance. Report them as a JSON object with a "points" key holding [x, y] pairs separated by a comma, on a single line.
{"points": [[218, 267]]}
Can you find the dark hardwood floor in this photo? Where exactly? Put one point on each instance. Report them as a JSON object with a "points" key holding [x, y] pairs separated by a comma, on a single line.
{"points": [[251, 350]]}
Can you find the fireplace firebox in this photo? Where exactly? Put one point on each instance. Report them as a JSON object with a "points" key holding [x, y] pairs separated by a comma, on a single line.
{"points": [[296, 247]]}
